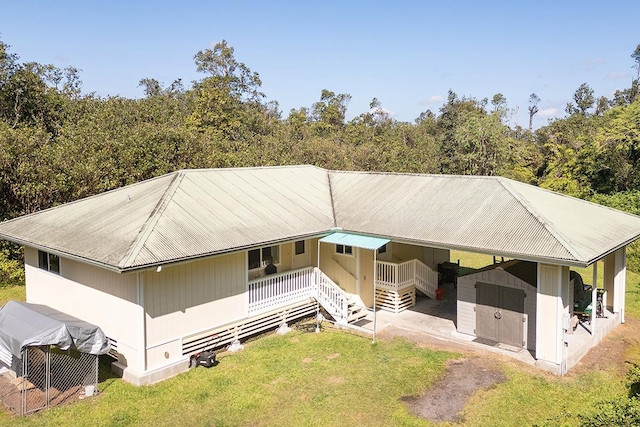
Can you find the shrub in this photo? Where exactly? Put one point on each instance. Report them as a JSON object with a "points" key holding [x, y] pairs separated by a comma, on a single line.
{"points": [[11, 270]]}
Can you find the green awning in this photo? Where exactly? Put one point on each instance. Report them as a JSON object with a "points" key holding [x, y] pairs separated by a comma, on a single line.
{"points": [[355, 240]]}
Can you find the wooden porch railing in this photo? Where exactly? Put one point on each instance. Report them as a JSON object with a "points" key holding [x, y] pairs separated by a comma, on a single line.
{"points": [[332, 297], [276, 290], [396, 277]]}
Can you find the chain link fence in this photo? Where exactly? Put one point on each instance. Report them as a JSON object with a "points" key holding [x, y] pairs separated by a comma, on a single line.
{"points": [[46, 377]]}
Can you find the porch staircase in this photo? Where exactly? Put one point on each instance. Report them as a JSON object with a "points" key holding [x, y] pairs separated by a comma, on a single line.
{"points": [[356, 309], [342, 306]]}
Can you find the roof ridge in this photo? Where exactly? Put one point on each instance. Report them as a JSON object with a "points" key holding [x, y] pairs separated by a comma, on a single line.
{"points": [[333, 203], [507, 185], [150, 223], [418, 174]]}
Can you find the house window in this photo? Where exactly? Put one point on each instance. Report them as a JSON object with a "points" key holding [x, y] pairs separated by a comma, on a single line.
{"points": [[260, 257], [344, 249], [382, 249], [49, 262], [299, 247]]}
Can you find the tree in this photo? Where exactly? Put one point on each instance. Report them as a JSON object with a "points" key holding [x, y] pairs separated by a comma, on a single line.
{"points": [[227, 73], [228, 103], [499, 103], [584, 100], [534, 100], [602, 105], [331, 110], [379, 115], [152, 87], [636, 57]]}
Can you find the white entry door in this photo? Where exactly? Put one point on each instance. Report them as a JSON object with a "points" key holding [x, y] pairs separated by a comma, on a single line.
{"points": [[300, 254]]}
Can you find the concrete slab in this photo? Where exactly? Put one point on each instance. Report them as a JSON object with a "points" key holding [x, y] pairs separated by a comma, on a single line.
{"points": [[437, 319]]}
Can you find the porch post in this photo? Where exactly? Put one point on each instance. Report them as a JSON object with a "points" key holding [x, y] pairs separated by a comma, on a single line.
{"points": [[375, 279], [594, 298], [619, 282], [316, 276]]}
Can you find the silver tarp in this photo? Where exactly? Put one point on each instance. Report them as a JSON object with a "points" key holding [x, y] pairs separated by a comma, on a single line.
{"points": [[23, 324]]}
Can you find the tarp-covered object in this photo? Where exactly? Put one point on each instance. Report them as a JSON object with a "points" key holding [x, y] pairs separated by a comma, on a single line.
{"points": [[23, 324]]}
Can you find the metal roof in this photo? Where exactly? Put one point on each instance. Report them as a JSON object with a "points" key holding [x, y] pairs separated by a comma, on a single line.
{"points": [[196, 213], [483, 214]]}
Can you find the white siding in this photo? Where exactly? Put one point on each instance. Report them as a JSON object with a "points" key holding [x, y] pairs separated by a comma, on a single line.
{"points": [[550, 307], [93, 294], [188, 298], [619, 282], [467, 301]]}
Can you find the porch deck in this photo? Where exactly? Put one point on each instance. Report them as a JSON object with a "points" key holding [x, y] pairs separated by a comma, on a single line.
{"points": [[437, 319]]}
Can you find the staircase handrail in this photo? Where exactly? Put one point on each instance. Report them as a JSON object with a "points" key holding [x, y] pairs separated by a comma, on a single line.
{"points": [[332, 297]]}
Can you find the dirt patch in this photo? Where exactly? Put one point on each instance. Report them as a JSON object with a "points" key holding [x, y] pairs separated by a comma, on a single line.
{"points": [[616, 351], [307, 360], [463, 377], [335, 380], [333, 356]]}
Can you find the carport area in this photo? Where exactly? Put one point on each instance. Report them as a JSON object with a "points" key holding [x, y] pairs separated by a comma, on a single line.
{"points": [[437, 319]]}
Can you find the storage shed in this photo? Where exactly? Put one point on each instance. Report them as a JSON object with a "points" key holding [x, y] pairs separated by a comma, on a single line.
{"points": [[498, 303]]}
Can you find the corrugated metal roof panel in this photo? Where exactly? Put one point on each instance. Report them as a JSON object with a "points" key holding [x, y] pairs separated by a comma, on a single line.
{"points": [[588, 229], [195, 213], [218, 210], [100, 228], [476, 213]]}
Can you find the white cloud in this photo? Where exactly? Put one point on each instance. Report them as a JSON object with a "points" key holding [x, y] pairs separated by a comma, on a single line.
{"points": [[433, 99], [547, 112], [383, 110], [617, 75], [590, 62]]}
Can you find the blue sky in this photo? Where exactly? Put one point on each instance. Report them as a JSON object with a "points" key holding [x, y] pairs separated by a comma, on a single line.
{"points": [[407, 54]]}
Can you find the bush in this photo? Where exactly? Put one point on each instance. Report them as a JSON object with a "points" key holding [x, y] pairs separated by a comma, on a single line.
{"points": [[620, 412], [11, 270]]}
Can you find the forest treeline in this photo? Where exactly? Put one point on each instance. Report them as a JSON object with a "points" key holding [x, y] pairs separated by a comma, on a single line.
{"points": [[59, 143]]}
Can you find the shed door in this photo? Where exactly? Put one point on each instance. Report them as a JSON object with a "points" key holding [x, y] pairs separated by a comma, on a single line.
{"points": [[500, 314]]}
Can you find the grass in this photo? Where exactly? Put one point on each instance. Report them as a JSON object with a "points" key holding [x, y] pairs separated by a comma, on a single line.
{"points": [[327, 379], [336, 378], [7, 293]]}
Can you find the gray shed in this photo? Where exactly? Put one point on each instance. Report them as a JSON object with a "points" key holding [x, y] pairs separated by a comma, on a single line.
{"points": [[498, 303]]}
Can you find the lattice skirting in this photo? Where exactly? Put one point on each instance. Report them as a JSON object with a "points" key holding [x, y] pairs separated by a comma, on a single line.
{"points": [[395, 301], [224, 335]]}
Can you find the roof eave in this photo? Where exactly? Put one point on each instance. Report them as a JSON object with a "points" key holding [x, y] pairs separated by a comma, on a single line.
{"points": [[63, 254], [613, 249], [152, 265]]}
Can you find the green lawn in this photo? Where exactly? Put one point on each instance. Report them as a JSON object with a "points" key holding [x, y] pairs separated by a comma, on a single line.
{"points": [[334, 378], [12, 293]]}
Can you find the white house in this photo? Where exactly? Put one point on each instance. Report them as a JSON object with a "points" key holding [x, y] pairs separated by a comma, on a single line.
{"points": [[172, 265]]}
